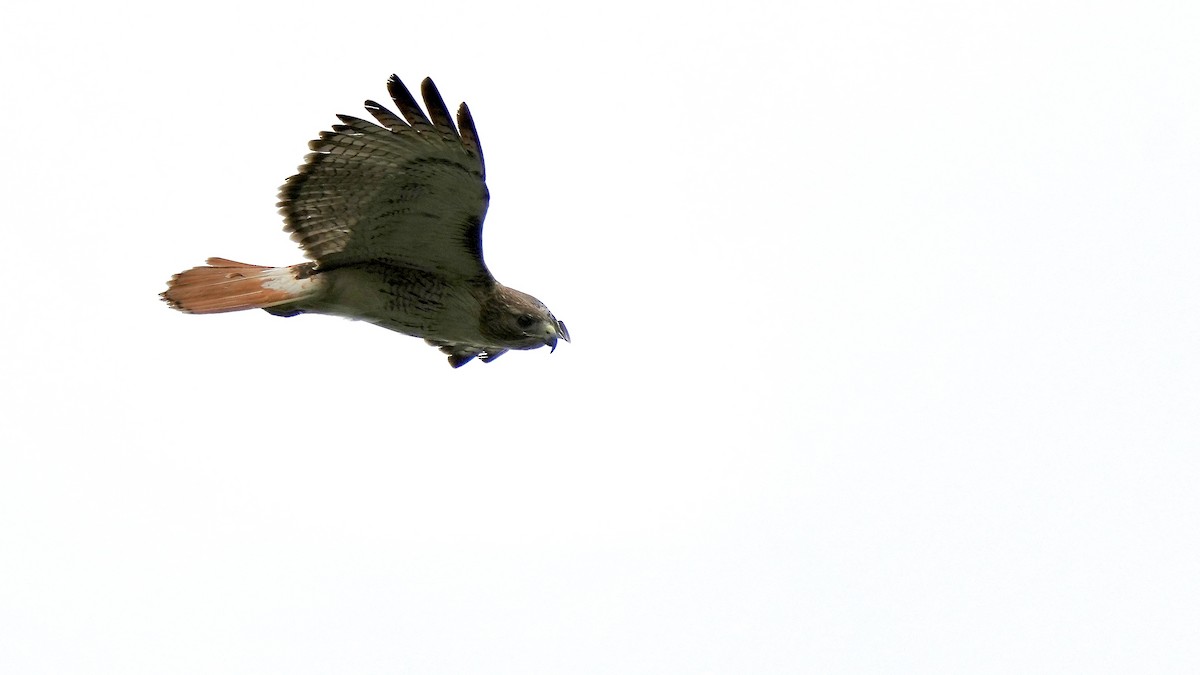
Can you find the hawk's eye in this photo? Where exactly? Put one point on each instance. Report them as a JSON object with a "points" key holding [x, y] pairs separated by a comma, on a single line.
{"points": [[524, 321]]}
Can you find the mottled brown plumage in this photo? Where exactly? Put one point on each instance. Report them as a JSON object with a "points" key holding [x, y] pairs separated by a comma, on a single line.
{"points": [[392, 215]]}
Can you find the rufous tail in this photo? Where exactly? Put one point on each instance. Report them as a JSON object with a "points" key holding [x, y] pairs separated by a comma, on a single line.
{"points": [[228, 286]]}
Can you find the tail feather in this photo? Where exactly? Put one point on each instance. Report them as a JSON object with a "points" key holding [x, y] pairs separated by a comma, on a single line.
{"points": [[229, 286]]}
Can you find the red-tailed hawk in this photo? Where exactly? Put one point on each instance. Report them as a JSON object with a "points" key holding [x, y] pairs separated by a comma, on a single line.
{"points": [[392, 216]]}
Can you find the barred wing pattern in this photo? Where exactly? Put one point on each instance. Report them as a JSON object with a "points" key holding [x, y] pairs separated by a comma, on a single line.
{"points": [[409, 193]]}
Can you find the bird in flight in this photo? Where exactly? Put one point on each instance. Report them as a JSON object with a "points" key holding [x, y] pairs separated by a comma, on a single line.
{"points": [[391, 215]]}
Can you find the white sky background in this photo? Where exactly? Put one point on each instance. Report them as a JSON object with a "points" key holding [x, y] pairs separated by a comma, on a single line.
{"points": [[886, 320]]}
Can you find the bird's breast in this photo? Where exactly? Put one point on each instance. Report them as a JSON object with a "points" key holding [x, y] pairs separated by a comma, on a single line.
{"points": [[410, 301]]}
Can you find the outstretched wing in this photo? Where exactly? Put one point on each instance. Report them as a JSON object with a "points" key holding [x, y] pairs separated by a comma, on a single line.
{"points": [[410, 192]]}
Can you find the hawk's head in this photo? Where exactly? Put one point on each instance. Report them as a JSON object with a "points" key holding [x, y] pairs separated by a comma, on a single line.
{"points": [[516, 320]]}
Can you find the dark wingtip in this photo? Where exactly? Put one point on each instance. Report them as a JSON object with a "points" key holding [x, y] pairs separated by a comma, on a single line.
{"points": [[439, 114], [408, 105]]}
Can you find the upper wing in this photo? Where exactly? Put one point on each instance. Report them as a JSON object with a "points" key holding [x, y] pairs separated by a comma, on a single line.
{"points": [[411, 192]]}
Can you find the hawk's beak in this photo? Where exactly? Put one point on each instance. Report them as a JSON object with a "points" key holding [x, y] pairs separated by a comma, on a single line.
{"points": [[560, 332]]}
